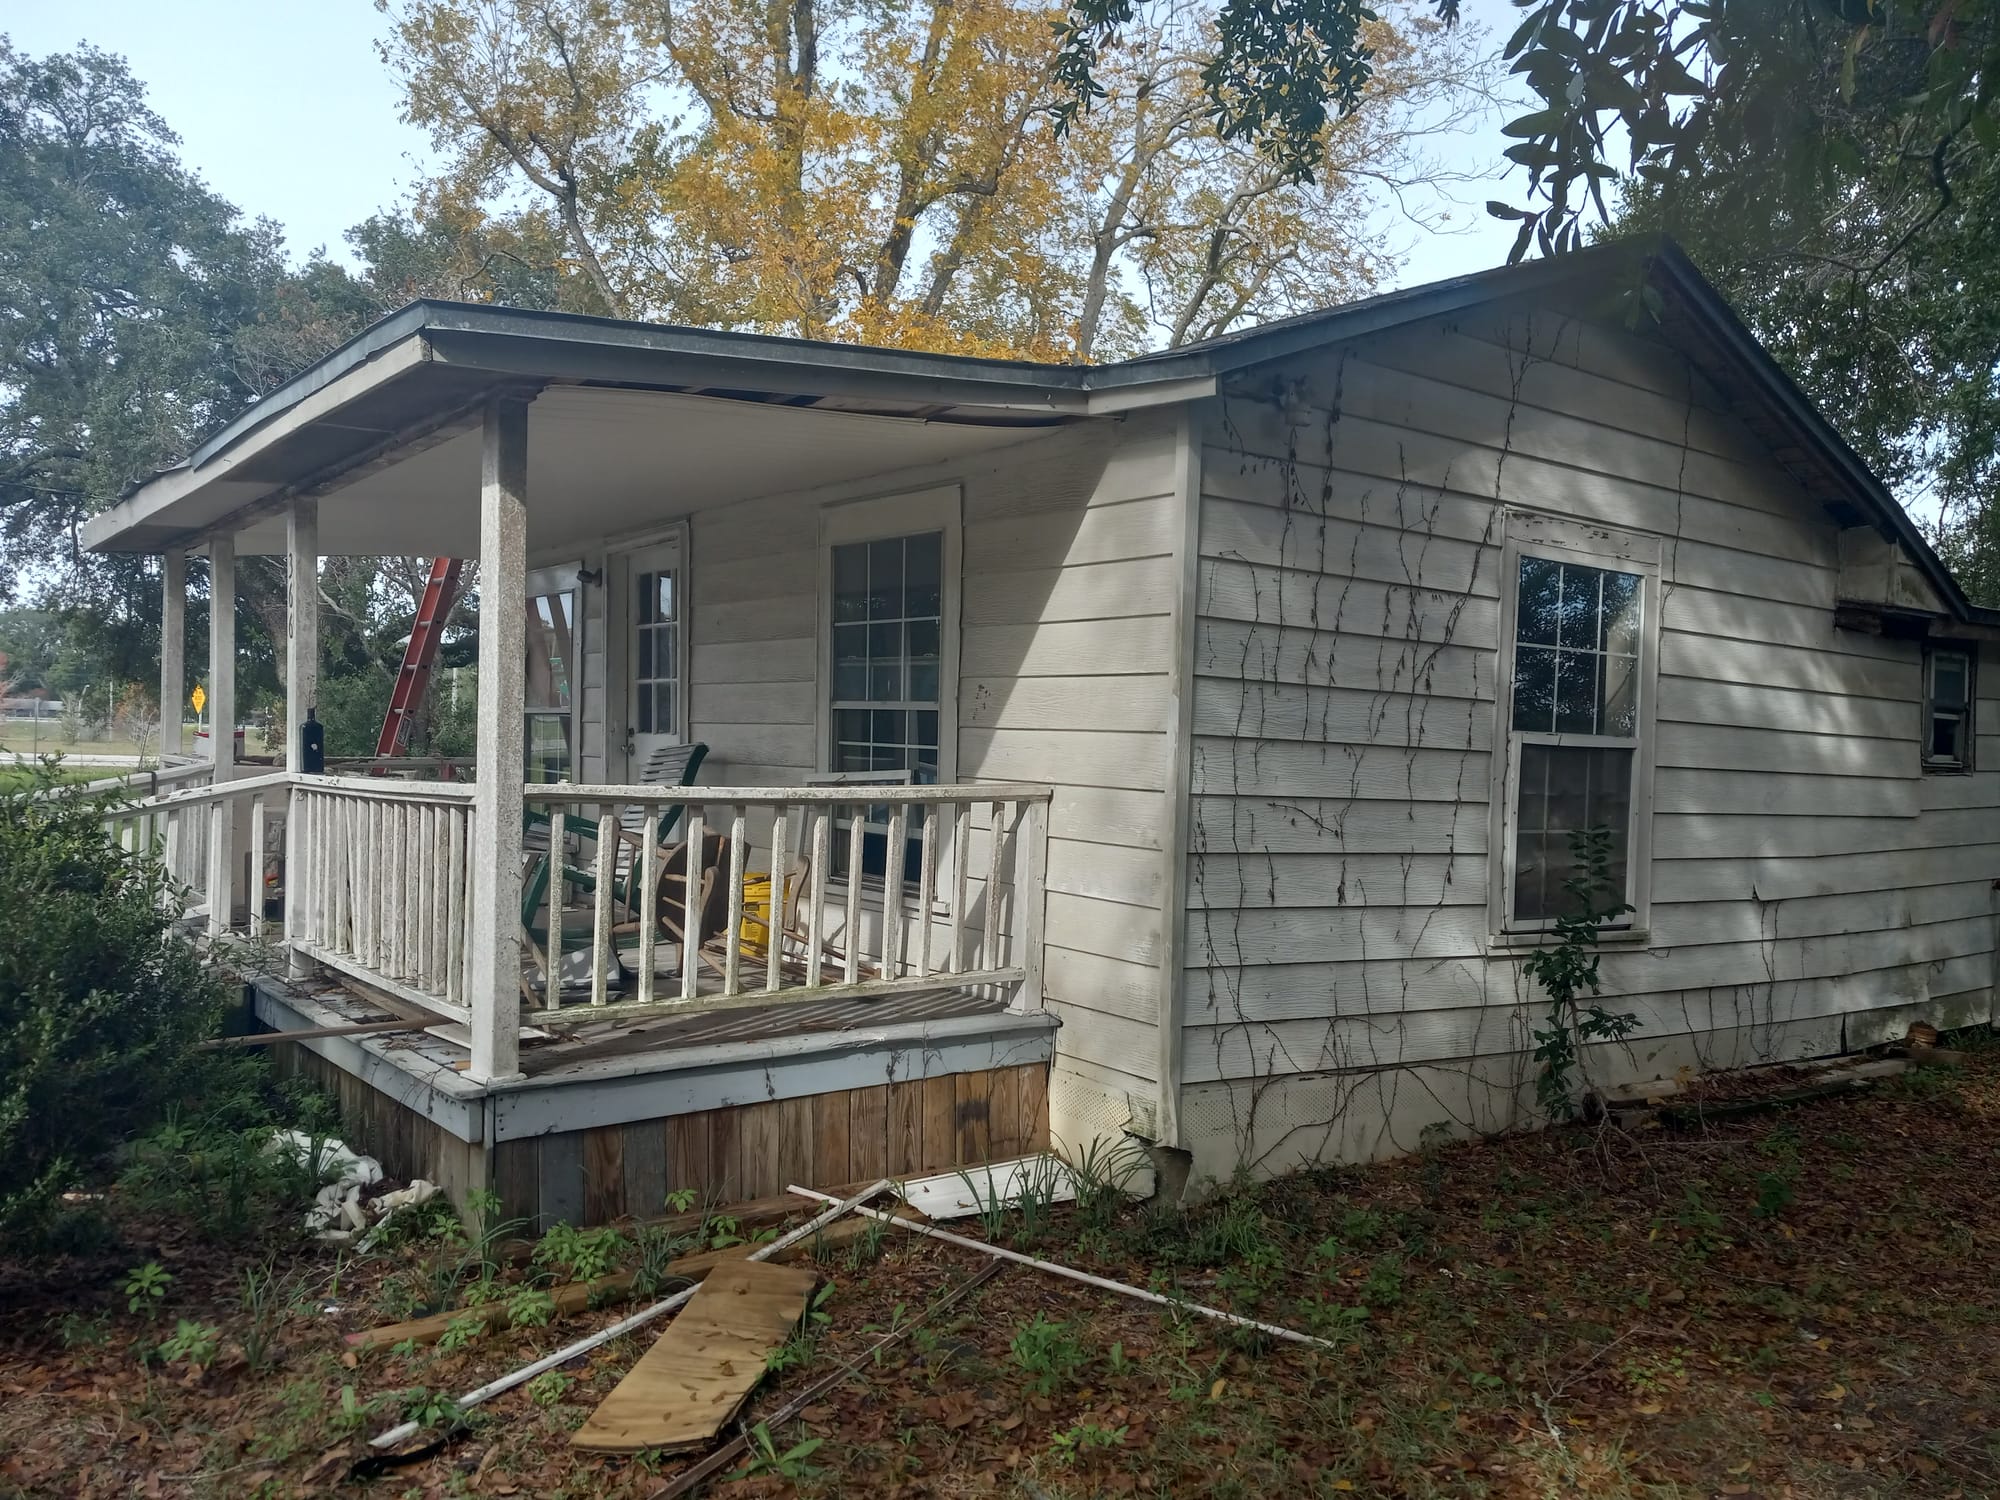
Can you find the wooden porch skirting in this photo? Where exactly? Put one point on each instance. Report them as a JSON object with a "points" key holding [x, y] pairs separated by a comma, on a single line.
{"points": [[728, 1117], [724, 1155], [755, 1150]]}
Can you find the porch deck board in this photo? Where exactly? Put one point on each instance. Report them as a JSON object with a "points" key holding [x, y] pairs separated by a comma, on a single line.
{"points": [[626, 1036]]}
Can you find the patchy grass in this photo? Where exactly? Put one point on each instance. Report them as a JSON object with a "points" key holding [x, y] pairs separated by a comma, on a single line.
{"points": [[1799, 1304]]}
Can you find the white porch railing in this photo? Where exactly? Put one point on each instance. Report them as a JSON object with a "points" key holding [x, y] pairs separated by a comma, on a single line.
{"points": [[380, 883], [957, 899], [193, 831], [655, 897]]}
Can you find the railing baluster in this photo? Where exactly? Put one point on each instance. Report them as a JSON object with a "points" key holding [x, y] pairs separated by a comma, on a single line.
{"points": [[989, 948], [739, 852], [435, 849], [173, 821], [553, 950], [895, 856], [455, 907], [693, 902], [961, 860], [1030, 897], [600, 928], [850, 938], [774, 933], [818, 852], [926, 887], [647, 870], [253, 898]]}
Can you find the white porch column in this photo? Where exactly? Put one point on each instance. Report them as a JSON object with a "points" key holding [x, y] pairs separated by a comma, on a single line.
{"points": [[222, 727], [493, 967], [173, 652], [301, 694]]}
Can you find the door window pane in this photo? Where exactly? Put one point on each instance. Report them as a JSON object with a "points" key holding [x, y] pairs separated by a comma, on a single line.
{"points": [[655, 686]]}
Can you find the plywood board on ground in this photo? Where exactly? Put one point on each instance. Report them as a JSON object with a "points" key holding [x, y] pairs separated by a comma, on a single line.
{"points": [[705, 1365]]}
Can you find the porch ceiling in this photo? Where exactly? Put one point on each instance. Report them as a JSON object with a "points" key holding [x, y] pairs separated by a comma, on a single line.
{"points": [[605, 461]]}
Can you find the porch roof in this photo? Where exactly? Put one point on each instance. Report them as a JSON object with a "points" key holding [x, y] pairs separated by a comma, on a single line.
{"points": [[684, 418]]}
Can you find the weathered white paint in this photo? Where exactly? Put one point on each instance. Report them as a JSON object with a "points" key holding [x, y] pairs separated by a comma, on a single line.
{"points": [[494, 960], [173, 653], [880, 947], [221, 729], [1808, 881], [301, 692]]}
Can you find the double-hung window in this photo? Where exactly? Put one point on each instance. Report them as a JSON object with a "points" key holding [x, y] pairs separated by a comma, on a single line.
{"points": [[890, 652], [1576, 715], [1948, 724]]}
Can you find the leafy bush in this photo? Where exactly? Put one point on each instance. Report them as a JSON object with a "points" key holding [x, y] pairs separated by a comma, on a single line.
{"points": [[101, 1002]]}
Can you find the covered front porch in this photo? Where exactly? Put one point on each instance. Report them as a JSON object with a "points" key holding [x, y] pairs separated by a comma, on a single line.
{"points": [[849, 893]]}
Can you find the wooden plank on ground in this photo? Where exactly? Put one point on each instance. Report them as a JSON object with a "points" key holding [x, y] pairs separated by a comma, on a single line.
{"points": [[705, 1365], [579, 1296]]}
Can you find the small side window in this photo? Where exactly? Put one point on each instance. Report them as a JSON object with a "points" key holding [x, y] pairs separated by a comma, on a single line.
{"points": [[1948, 698]]}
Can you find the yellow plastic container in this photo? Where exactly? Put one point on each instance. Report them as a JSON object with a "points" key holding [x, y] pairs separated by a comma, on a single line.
{"points": [[753, 930]]}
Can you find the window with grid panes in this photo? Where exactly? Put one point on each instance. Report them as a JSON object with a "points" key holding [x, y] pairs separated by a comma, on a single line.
{"points": [[1574, 726], [656, 674], [887, 670], [1948, 725]]}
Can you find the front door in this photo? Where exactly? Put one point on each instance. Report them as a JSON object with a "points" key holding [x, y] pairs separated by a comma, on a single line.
{"points": [[653, 602]]}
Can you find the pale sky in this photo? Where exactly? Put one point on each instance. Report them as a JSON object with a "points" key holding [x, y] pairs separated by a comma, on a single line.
{"points": [[284, 109]]}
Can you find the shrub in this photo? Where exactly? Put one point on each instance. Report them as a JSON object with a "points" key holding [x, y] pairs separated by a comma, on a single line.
{"points": [[101, 1002]]}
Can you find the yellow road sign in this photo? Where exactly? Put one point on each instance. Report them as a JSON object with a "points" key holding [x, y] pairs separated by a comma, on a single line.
{"points": [[198, 698]]}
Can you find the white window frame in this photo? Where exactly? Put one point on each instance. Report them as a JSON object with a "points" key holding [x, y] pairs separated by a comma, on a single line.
{"points": [[1561, 540], [618, 633], [1968, 653], [563, 578], [938, 509]]}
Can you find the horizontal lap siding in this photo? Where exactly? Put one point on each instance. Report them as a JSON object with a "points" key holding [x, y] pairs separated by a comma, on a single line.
{"points": [[1345, 655], [1065, 663], [1065, 659]]}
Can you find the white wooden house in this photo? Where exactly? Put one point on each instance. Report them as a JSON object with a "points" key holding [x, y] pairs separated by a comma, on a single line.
{"points": [[1249, 690]]}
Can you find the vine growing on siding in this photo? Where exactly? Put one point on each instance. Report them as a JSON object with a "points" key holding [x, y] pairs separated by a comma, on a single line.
{"points": [[1567, 972]]}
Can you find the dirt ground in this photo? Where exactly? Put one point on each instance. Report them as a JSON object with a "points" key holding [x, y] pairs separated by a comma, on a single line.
{"points": [[1802, 1303]]}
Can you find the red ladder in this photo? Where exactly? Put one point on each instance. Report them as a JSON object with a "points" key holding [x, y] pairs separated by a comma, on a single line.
{"points": [[413, 679]]}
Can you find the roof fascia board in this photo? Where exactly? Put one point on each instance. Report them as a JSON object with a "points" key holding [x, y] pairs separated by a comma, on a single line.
{"points": [[538, 356], [1160, 393], [146, 503], [1340, 324], [368, 345], [1720, 323]]}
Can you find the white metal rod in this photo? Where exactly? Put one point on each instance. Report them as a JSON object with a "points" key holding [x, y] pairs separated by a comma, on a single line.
{"points": [[1102, 1283], [639, 1319]]}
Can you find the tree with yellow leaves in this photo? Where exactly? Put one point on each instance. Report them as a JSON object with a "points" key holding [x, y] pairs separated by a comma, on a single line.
{"points": [[895, 173]]}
